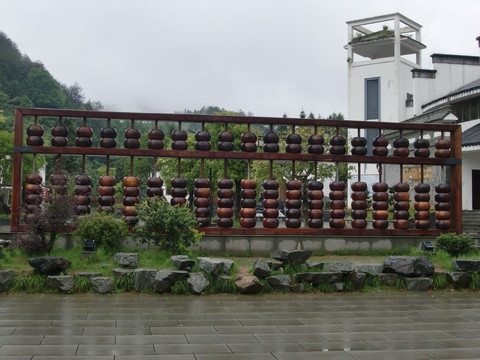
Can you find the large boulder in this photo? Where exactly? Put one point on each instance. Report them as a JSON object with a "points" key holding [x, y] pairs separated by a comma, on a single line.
{"points": [[409, 266], [280, 282], [339, 266], [144, 279], [6, 279], [61, 283], [214, 266], [389, 280], [197, 282], [261, 269], [102, 284], [357, 279], [316, 278], [291, 256], [88, 274], [128, 260], [49, 265], [117, 272], [418, 283], [370, 269], [459, 280], [182, 262], [248, 284], [165, 279], [467, 265]]}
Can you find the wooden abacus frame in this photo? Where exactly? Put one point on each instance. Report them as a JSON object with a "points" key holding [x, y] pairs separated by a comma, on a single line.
{"points": [[451, 131]]}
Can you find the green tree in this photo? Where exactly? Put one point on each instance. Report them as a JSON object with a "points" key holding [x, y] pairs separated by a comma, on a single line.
{"points": [[43, 90]]}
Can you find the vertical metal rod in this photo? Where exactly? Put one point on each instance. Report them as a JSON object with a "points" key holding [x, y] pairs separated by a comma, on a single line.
{"points": [[83, 164], [131, 165], [179, 167], [34, 163], [316, 170], [155, 166], [132, 124], [225, 169], [271, 169], [35, 121], [401, 165], [358, 168], [202, 168], [108, 165], [156, 124], [248, 169], [84, 122], [293, 170]]}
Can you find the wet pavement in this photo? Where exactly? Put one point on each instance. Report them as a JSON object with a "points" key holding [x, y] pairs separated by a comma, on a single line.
{"points": [[399, 325]]}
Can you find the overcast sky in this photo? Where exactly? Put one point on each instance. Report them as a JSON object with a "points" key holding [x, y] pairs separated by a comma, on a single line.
{"points": [[268, 57]]}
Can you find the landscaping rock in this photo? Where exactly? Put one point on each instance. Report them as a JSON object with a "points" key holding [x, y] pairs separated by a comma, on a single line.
{"points": [[274, 265], [261, 269], [370, 269], [102, 284], [459, 280], [88, 274], [357, 279], [339, 266], [49, 265], [214, 266], [418, 283], [128, 260], [467, 265], [6, 279], [409, 266], [165, 279], [182, 262], [291, 256], [389, 280], [117, 272], [316, 278], [315, 265], [339, 286], [248, 284], [280, 282], [144, 279], [61, 283], [197, 282], [298, 288]]}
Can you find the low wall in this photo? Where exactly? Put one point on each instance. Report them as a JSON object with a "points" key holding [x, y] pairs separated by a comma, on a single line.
{"points": [[264, 245]]}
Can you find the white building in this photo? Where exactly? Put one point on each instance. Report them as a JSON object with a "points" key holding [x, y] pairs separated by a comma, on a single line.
{"points": [[386, 83]]}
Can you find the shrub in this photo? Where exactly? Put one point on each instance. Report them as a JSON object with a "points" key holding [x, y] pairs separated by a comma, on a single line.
{"points": [[105, 229], [455, 245], [172, 228], [45, 225]]}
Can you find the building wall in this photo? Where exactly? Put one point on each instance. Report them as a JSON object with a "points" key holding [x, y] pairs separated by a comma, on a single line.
{"points": [[469, 162]]}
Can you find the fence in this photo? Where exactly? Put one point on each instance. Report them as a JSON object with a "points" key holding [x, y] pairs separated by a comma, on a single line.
{"points": [[390, 148]]}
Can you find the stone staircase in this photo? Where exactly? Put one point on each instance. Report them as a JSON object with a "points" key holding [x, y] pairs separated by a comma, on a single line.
{"points": [[471, 224]]}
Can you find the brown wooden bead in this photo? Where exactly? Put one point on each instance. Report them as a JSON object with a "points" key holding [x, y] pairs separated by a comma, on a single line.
{"points": [[401, 143], [380, 214], [422, 152], [33, 199], [131, 181], [203, 146], [271, 213], [359, 196], [401, 224], [58, 179], [201, 183], [443, 144], [359, 141], [225, 184], [337, 223], [337, 213], [442, 206], [81, 200], [249, 138], [35, 141], [380, 141], [248, 194], [293, 213], [293, 204], [35, 130], [81, 209], [83, 131], [422, 224], [271, 138], [106, 191], [83, 190], [156, 134], [225, 203], [442, 188], [179, 135], [248, 212], [33, 179], [248, 203], [402, 152], [179, 192], [247, 222], [270, 203], [248, 184], [336, 195], [402, 205], [271, 148], [316, 140], [108, 143], [380, 187], [108, 133], [131, 143], [315, 204], [155, 144], [33, 189], [271, 194], [225, 222], [359, 223], [359, 151], [380, 151], [270, 223], [315, 194], [315, 185], [315, 149], [315, 223], [401, 214], [337, 185], [179, 145], [204, 221], [315, 214], [421, 144], [294, 139], [442, 153], [359, 214], [293, 148], [59, 131], [59, 141], [337, 150], [338, 140], [442, 224], [202, 212], [154, 191], [106, 200], [225, 136], [422, 206], [225, 212], [155, 182], [178, 201], [401, 196], [402, 187], [421, 197], [294, 194], [380, 224], [130, 200], [129, 210], [422, 188], [225, 146], [337, 204], [359, 205], [270, 184], [359, 186], [225, 193], [83, 142], [293, 223], [442, 215], [293, 185], [202, 192], [203, 202]]}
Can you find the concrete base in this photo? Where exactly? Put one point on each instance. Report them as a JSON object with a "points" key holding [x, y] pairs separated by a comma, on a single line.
{"points": [[264, 245]]}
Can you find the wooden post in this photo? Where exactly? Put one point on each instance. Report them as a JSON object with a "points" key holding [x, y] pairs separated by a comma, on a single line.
{"points": [[17, 171], [456, 180]]}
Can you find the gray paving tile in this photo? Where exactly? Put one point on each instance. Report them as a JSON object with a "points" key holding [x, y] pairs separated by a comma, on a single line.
{"points": [[112, 357], [158, 357], [18, 340], [390, 355], [54, 350], [116, 331], [256, 356], [314, 355], [21, 331], [265, 347], [95, 350], [171, 349], [150, 339], [221, 339], [337, 346], [248, 329], [183, 330], [77, 340]]}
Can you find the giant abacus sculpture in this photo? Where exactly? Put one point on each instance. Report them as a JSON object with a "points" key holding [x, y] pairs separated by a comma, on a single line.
{"points": [[397, 144]]}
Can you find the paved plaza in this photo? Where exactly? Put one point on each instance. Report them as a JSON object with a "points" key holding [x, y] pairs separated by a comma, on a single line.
{"points": [[397, 325]]}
